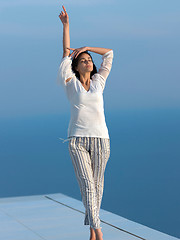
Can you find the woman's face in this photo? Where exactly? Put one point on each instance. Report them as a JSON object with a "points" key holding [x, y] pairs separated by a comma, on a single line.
{"points": [[85, 64]]}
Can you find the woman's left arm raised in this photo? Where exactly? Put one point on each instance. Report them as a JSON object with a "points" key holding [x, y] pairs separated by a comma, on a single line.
{"points": [[98, 50]]}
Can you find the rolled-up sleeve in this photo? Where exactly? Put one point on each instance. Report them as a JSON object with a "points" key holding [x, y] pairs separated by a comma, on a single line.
{"points": [[105, 68], [65, 71]]}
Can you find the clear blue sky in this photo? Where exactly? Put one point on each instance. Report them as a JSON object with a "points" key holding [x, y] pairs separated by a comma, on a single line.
{"points": [[144, 35]]}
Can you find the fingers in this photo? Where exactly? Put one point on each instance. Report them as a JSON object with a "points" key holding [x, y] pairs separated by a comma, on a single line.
{"points": [[63, 13], [64, 9], [75, 52], [71, 48], [72, 52]]}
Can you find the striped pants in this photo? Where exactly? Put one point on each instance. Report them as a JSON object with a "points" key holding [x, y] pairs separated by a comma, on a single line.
{"points": [[89, 156]]}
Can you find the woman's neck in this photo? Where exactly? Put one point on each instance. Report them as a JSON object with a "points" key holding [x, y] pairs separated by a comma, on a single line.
{"points": [[85, 79]]}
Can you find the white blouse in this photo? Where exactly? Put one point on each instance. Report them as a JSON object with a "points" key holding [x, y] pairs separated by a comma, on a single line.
{"points": [[87, 107]]}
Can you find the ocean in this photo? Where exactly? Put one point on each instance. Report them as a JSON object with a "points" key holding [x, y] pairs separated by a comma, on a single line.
{"points": [[141, 177]]}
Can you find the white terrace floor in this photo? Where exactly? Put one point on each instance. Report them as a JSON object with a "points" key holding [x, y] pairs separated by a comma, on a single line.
{"points": [[60, 217]]}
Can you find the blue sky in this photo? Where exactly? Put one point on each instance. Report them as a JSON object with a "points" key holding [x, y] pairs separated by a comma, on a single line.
{"points": [[144, 35]]}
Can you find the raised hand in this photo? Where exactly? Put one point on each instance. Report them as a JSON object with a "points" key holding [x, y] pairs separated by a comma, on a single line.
{"points": [[64, 16], [77, 51]]}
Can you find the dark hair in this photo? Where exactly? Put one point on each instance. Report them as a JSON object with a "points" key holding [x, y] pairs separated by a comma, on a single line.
{"points": [[75, 63]]}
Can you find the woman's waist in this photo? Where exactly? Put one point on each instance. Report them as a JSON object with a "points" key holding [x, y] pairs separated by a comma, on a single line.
{"points": [[89, 123]]}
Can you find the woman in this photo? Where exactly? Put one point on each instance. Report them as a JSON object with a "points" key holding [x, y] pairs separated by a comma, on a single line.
{"points": [[89, 142]]}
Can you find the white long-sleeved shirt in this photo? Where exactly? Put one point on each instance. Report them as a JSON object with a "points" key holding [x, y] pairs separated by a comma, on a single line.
{"points": [[87, 107]]}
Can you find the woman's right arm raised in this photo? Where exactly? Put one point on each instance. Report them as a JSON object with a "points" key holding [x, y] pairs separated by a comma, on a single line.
{"points": [[66, 37]]}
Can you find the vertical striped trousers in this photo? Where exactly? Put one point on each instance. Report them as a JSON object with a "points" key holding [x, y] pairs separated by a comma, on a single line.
{"points": [[89, 156]]}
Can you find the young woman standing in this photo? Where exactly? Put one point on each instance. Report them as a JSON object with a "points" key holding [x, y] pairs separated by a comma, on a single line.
{"points": [[89, 142]]}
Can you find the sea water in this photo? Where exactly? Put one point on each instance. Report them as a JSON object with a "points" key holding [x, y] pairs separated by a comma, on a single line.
{"points": [[141, 177]]}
